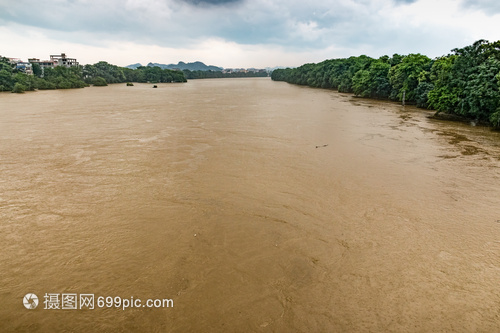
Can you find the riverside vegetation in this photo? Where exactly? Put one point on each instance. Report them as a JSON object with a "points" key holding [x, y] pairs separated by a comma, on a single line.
{"points": [[99, 74], [219, 74], [465, 83]]}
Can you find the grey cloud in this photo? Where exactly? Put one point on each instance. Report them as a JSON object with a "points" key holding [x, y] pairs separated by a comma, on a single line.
{"points": [[489, 7], [397, 2], [73, 19], [213, 2], [404, 1], [294, 25]]}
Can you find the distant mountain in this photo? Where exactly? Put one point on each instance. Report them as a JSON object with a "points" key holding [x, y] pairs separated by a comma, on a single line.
{"points": [[192, 66], [134, 66], [270, 69]]}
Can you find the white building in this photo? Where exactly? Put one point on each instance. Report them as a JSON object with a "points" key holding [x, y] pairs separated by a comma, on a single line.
{"points": [[22, 66], [62, 60], [43, 63], [55, 60], [25, 67]]}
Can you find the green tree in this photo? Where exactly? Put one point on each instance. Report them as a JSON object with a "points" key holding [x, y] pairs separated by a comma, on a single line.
{"points": [[44, 84], [6, 75], [445, 95], [99, 81], [482, 96], [373, 82], [37, 69], [404, 77], [6, 80], [19, 88], [466, 82]]}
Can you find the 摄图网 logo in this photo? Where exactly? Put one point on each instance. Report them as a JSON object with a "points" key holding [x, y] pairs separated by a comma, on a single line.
{"points": [[30, 301]]}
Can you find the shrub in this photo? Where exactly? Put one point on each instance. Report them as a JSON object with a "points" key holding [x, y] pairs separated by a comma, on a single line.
{"points": [[18, 88], [44, 84], [495, 119], [99, 82]]}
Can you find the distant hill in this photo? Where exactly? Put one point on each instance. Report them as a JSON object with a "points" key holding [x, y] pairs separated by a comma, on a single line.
{"points": [[192, 66], [270, 69], [134, 66]]}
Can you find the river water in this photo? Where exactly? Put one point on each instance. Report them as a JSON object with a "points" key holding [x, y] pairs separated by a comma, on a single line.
{"points": [[255, 206]]}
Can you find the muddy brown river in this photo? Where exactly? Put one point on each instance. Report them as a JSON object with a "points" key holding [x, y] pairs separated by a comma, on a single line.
{"points": [[252, 205]]}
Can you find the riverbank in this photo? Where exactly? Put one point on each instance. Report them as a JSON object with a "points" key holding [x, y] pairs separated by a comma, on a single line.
{"points": [[465, 83], [62, 77]]}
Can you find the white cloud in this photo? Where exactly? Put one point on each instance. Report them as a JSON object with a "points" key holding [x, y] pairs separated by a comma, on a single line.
{"points": [[308, 31], [26, 43], [241, 33]]}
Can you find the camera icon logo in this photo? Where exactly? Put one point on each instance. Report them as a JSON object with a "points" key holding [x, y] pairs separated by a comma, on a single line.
{"points": [[30, 301]]}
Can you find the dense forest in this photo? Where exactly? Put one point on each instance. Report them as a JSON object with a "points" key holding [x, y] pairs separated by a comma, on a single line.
{"points": [[219, 74], [465, 83], [99, 74], [61, 77]]}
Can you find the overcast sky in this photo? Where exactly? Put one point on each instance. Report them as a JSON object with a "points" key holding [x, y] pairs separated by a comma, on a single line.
{"points": [[241, 33]]}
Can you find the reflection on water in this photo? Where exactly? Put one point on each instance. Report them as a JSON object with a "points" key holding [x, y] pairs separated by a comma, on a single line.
{"points": [[213, 193]]}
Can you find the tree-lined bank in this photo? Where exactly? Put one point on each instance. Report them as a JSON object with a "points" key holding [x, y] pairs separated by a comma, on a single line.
{"points": [[61, 77], [221, 75], [99, 74], [464, 83]]}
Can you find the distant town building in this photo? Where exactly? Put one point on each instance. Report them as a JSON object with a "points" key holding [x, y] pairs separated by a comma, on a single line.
{"points": [[14, 60], [25, 67], [22, 66], [234, 70], [242, 70], [55, 60], [43, 63], [62, 60]]}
